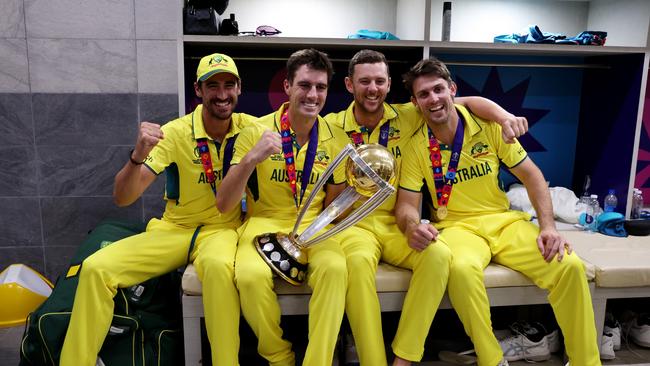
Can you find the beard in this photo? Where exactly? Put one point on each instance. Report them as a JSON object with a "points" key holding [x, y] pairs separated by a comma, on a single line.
{"points": [[221, 113]]}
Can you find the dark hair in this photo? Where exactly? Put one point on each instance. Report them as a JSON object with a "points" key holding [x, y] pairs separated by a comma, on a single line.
{"points": [[366, 57], [431, 66], [314, 59]]}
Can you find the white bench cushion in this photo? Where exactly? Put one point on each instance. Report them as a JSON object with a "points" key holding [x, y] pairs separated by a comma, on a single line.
{"points": [[619, 262], [389, 279]]}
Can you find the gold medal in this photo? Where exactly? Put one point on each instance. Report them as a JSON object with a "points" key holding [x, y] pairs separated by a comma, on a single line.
{"points": [[441, 213]]}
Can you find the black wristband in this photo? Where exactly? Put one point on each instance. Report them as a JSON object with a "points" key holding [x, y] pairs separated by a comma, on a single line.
{"points": [[133, 161]]}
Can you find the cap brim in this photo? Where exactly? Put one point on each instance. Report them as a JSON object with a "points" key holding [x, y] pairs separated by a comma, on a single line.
{"points": [[216, 71]]}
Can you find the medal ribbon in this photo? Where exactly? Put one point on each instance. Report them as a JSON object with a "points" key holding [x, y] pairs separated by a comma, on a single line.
{"points": [[206, 160], [357, 137], [287, 151], [445, 183]]}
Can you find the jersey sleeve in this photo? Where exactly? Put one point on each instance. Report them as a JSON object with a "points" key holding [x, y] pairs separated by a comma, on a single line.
{"points": [[246, 140], [341, 139], [411, 174], [510, 154]]}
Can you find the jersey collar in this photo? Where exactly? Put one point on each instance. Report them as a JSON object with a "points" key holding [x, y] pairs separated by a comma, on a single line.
{"points": [[324, 131], [198, 129], [350, 122]]}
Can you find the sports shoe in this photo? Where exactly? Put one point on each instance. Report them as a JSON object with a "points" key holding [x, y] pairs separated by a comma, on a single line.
{"points": [[528, 343], [613, 327], [607, 347], [639, 330], [554, 343], [503, 362]]}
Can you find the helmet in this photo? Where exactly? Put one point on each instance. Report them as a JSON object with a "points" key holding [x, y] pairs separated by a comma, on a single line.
{"points": [[22, 290]]}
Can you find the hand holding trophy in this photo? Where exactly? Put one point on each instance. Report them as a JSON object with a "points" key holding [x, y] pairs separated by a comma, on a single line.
{"points": [[370, 170]]}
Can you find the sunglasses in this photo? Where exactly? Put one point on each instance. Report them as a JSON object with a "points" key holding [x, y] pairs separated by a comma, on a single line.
{"points": [[262, 30]]}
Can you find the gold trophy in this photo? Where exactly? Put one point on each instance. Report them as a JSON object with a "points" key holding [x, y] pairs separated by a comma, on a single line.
{"points": [[370, 171]]}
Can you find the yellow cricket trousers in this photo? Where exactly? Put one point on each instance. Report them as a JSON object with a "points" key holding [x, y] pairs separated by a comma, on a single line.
{"points": [[162, 248], [510, 240], [427, 287], [327, 276], [362, 252]]}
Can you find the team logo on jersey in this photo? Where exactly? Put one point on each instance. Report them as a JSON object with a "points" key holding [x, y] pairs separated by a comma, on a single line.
{"points": [[393, 133], [321, 158], [197, 156], [276, 157], [322, 155], [479, 149]]}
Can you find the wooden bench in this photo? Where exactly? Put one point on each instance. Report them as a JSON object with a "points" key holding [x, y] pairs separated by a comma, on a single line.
{"points": [[505, 287]]}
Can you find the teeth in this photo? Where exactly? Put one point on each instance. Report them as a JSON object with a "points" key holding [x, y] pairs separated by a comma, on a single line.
{"points": [[435, 109]]}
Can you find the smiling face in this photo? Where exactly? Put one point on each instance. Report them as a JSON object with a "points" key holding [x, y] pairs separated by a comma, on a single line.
{"points": [[307, 92], [434, 97], [219, 94], [370, 83]]}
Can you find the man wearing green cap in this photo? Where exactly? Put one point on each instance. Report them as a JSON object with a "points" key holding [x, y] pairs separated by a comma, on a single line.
{"points": [[195, 151]]}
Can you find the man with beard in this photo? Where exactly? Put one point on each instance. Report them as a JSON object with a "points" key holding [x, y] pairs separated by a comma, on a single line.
{"points": [[262, 165], [369, 119], [195, 151], [456, 155]]}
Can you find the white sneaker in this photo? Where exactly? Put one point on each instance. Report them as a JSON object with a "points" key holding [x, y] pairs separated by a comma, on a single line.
{"points": [[503, 362], [613, 327], [607, 347], [519, 347], [553, 339], [640, 330]]}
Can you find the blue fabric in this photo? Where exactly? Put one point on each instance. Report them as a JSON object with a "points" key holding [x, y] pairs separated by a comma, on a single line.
{"points": [[372, 34], [612, 224], [535, 35]]}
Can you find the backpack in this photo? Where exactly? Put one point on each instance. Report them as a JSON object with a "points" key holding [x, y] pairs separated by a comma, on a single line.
{"points": [[146, 325]]}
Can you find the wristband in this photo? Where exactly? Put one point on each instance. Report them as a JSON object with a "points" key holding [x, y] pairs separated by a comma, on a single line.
{"points": [[133, 161]]}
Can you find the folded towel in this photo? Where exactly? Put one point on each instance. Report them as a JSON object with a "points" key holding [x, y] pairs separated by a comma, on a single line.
{"points": [[372, 34], [612, 224]]}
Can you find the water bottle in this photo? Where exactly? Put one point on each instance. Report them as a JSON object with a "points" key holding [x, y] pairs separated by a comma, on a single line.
{"points": [[610, 201], [596, 212], [590, 216], [637, 204]]}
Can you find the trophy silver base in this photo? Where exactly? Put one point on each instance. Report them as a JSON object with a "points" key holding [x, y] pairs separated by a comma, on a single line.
{"points": [[286, 258]]}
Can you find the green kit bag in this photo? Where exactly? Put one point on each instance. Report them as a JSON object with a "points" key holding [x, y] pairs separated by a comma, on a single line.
{"points": [[142, 313]]}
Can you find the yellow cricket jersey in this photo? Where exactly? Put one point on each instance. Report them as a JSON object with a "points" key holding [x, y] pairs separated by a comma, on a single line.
{"points": [[190, 200], [476, 186], [403, 120], [268, 189]]}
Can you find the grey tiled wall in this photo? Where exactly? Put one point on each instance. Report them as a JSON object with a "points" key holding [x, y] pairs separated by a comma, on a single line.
{"points": [[76, 77]]}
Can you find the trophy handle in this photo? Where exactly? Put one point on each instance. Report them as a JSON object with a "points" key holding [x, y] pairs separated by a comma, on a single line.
{"points": [[373, 202], [341, 203], [347, 150]]}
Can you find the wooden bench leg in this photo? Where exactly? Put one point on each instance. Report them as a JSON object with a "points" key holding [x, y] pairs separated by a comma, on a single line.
{"points": [[600, 306], [192, 313]]}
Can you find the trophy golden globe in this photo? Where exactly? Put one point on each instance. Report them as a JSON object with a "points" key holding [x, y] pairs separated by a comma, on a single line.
{"points": [[370, 171]]}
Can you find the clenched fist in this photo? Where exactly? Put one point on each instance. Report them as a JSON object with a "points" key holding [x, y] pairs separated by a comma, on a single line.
{"points": [[148, 136], [269, 143], [513, 127]]}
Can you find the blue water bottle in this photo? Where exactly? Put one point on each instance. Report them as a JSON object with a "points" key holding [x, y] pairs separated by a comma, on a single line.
{"points": [[610, 201]]}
